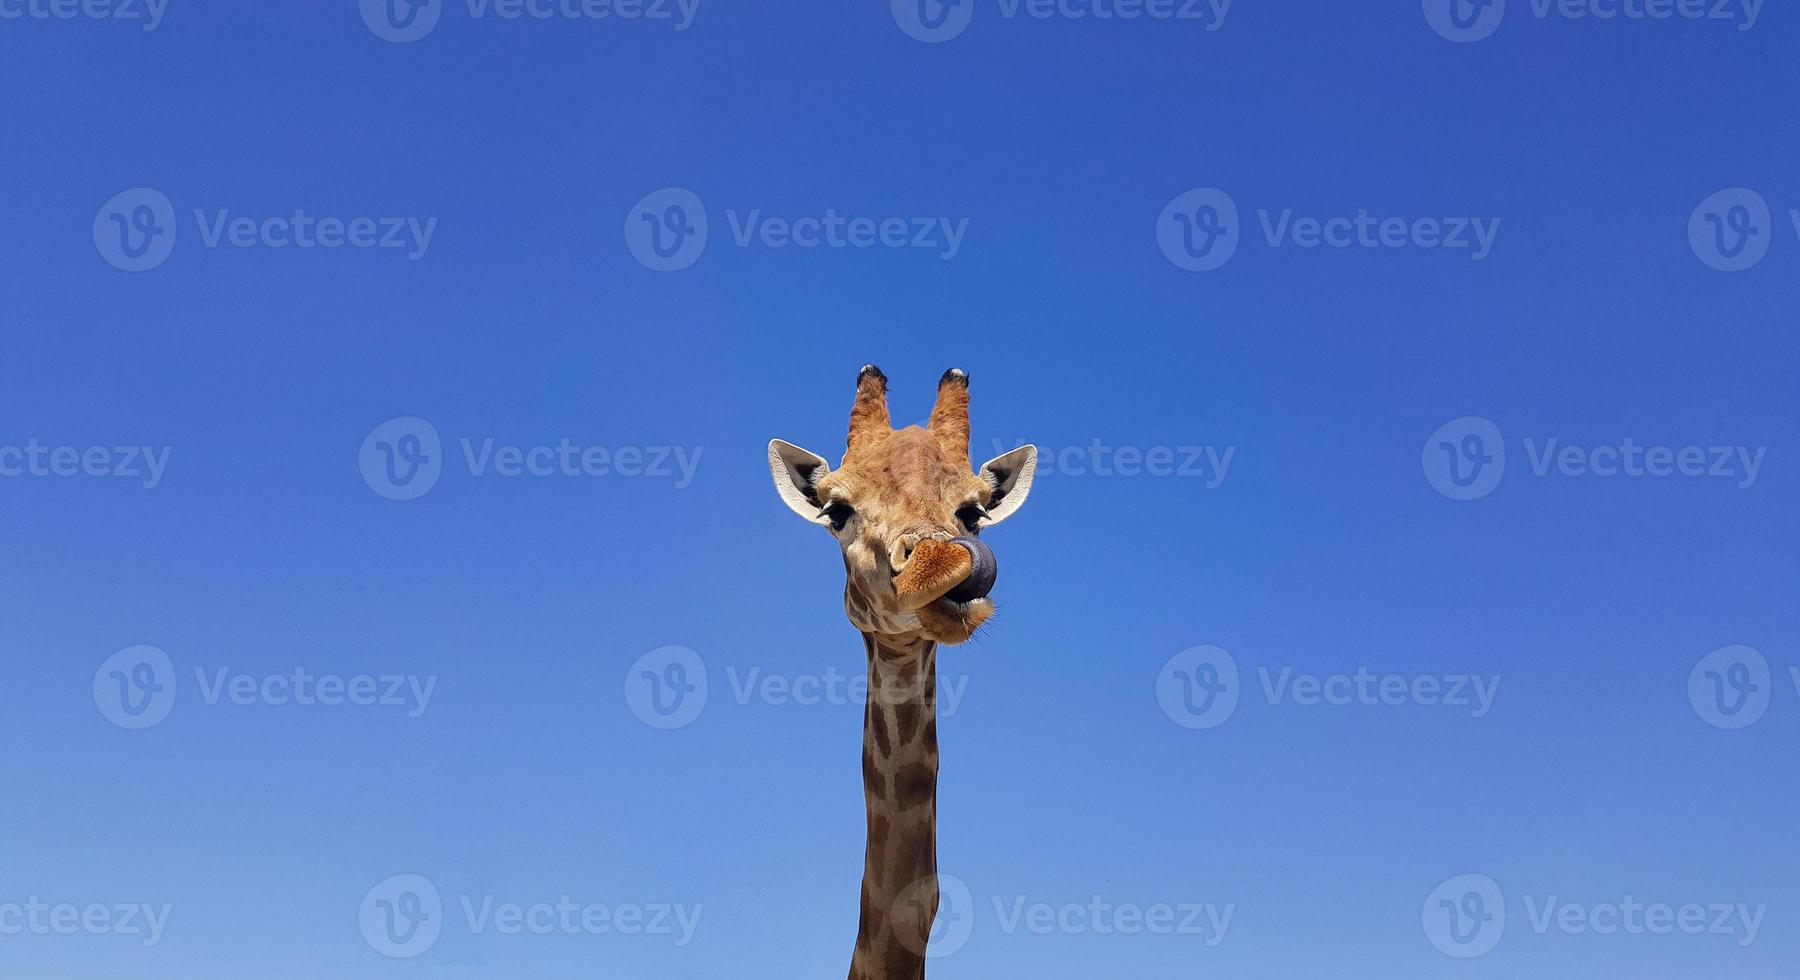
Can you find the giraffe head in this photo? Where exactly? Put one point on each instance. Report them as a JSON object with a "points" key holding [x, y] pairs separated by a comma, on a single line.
{"points": [[906, 510]]}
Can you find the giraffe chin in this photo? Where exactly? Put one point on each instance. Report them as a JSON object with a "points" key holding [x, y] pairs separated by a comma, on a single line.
{"points": [[950, 623]]}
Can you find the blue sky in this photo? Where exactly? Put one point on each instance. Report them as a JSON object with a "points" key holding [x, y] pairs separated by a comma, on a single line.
{"points": [[1330, 498]]}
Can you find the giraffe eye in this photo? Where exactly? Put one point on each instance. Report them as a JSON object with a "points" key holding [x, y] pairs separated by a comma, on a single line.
{"points": [[839, 513], [970, 515]]}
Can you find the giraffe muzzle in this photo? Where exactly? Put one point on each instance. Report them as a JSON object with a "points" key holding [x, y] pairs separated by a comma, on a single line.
{"points": [[959, 570], [945, 584]]}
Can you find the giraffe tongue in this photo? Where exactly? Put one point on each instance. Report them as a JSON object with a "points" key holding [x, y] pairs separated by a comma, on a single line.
{"points": [[980, 580]]}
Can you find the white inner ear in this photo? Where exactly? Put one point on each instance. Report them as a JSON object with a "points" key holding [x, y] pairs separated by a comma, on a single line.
{"points": [[1010, 475], [796, 473]]}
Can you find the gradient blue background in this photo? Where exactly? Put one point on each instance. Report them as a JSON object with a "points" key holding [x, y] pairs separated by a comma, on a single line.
{"points": [[1325, 549]]}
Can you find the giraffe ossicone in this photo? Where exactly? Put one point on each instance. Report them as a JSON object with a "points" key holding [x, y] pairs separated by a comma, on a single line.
{"points": [[906, 509]]}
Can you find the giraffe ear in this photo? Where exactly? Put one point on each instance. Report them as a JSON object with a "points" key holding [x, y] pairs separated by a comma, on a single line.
{"points": [[1009, 475], [797, 472]]}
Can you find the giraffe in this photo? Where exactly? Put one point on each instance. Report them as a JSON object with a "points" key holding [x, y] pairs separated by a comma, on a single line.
{"points": [[906, 511]]}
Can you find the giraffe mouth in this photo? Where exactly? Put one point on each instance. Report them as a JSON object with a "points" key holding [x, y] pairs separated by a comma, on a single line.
{"points": [[950, 622], [945, 584]]}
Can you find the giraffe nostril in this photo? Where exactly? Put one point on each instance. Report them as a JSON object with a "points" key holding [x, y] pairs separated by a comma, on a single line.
{"points": [[903, 551]]}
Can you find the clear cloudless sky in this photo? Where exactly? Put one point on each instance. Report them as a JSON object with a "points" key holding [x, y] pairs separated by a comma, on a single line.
{"points": [[269, 830]]}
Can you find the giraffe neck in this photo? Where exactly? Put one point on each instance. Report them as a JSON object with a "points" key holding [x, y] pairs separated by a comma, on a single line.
{"points": [[900, 773]]}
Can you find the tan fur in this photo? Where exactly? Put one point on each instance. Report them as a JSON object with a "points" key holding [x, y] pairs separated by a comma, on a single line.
{"points": [[869, 416], [950, 416]]}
